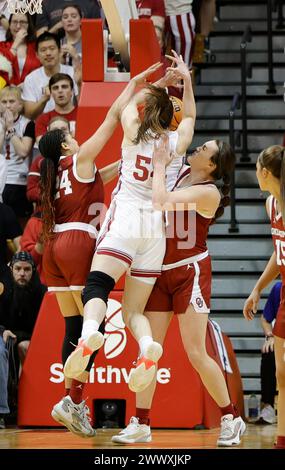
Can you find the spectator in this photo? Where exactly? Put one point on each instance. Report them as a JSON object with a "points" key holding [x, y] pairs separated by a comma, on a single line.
{"points": [[19, 307], [204, 12], [207, 14], [267, 370], [4, 17], [10, 229], [3, 168], [31, 241], [3, 162], [71, 43], [6, 70], [33, 183], [16, 146], [20, 45], [155, 10], [36, 94], [181, 26], [61, 90], [50, 18]]}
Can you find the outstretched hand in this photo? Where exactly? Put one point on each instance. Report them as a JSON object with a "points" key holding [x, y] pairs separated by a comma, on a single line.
{"points": [[181, 70], [141, 77]]}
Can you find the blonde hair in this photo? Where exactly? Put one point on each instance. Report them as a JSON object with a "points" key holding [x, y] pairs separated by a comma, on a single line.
{"points": [[14, 91]]}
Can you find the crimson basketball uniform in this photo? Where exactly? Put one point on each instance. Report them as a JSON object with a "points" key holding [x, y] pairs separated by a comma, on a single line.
{"points": [[67, 256], [133, 231], [186, 270], [278, 236]]}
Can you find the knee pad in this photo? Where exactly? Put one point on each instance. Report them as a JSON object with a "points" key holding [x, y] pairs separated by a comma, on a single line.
{"points": [[98, 286]]}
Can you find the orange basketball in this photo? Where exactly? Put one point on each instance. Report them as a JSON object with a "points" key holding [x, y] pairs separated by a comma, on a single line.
{"points": [[177, 112]]}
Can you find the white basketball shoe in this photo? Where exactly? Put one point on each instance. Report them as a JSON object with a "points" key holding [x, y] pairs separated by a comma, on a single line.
{"points": [[145, 370], [134, 432], [74, 417], [77, 361], [231, 431]]}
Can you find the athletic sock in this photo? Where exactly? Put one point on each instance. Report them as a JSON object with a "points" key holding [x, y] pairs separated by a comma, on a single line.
{"points": [[143, 415], [144, 342], [229, 410], [89, 327], [280, 444], [76, 391]]}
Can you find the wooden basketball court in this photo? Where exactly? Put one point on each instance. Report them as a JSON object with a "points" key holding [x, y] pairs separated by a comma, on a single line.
{"points": [[256, 437]]}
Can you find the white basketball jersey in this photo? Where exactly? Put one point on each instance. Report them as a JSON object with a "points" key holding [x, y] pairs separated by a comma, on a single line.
{"points": [[135, 182]]}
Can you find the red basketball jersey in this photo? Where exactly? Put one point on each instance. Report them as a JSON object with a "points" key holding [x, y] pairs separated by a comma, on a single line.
{"points": [[77, 199], [186, 232], [278, 236]]}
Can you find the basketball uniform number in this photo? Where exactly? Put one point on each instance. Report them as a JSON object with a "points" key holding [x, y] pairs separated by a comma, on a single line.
{"points": [[280, 252], [64, 183], [143, 164]]}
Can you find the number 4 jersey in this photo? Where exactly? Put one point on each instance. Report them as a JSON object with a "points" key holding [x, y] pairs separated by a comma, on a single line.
{"points": [[74, 195]]}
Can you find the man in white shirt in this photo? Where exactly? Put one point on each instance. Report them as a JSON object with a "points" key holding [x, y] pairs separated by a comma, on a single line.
{"points": [[36, 93]]}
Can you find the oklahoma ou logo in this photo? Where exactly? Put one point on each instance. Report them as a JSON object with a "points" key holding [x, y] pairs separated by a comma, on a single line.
{"points": [[115, 334]]}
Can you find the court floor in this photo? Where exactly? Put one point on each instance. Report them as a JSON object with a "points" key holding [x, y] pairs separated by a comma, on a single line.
{"points": [[256, 437]]}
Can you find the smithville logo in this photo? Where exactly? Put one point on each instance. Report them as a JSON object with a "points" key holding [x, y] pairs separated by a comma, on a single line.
{"points": [[114, 345]]}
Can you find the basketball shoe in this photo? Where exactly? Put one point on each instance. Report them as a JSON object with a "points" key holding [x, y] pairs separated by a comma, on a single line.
{"points": [[231, 431], [77, 361], [267, 415], [74, 417], [145, 370], [134, 432]]}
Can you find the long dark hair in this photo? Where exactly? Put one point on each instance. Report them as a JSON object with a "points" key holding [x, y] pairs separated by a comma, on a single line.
{"points": [[224, 159], [31, 36], [50, 147], [158, 112], [273, 159]]}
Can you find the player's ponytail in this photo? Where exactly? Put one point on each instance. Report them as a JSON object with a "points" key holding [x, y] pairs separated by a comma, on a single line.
{"points": [[50, 148], [157, 115], [224, 160]]}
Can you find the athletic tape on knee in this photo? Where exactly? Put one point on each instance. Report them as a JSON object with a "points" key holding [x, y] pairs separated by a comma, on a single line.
{"points": [[98, 286]]}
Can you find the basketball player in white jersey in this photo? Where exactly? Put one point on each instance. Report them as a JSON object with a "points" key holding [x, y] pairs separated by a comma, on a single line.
{"points": [[132, 238]]}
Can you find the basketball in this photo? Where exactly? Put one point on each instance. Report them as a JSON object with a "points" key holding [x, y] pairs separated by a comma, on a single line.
{"points": [[177, 112]]}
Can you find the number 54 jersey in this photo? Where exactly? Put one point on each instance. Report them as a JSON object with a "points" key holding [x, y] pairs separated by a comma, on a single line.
{"points": [[133, 232], [135, 183]]}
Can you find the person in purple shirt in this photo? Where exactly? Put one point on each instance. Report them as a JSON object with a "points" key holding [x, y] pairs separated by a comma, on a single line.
{"points": [[267, 369]]}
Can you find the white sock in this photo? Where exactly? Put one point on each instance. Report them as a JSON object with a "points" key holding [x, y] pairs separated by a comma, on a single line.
{"points": [[144, 342], [89, 327]]}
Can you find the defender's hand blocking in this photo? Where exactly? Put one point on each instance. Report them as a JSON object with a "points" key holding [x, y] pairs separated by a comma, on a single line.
{"points": [[141, 77], [161, 154]]}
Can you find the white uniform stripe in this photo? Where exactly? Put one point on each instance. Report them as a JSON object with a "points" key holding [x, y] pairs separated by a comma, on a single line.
{"points": [[196, 292], [75, 226], [183, 262], [64, 289], [175, 30], [188, 38]]}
